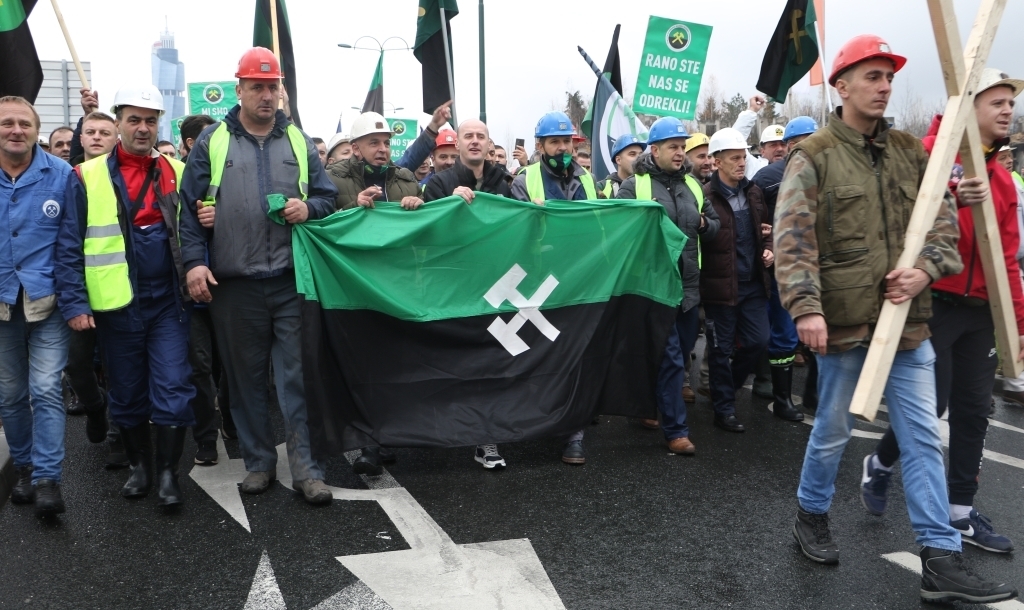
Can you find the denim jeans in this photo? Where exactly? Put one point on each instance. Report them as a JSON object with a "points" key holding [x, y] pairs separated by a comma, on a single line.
{"points": [[681, 339], [32, 357], [783, 339], [910, 397], [258, 321]]}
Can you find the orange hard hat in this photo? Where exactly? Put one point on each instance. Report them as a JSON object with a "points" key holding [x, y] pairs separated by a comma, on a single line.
{"points": [[446, 137], [259, 63], [862, 48]]}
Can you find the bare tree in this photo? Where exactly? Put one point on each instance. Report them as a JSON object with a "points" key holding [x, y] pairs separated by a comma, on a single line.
{"points": [[914, 115], [709, 104], [576, 108]]}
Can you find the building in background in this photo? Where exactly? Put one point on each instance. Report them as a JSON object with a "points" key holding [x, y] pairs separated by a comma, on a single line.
{"points": [[59, 102], [169, 78]]}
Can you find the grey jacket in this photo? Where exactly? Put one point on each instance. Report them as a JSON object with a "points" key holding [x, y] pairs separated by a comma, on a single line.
{"points": [[244, 242], [671, 191]]}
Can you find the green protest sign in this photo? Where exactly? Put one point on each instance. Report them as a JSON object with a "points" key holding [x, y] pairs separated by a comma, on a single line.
{"points": [[212, 99], [406, 131], [671, 68], [176, 131]]}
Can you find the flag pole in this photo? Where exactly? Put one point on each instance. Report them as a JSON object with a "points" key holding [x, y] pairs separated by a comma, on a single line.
{"points": [[71, 46], [448, 62], [483, 75], [277, 45]]}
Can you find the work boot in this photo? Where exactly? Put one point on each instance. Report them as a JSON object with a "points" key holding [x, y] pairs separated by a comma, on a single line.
{"points": [[116, 458], [572, 453], [96, 424], [688, 395], [811, 385], [763, 378], [258, 481], [314, 491], [170, 442], [782, 387], [72, 406], [369, 462], [945, 577], [138, 446], [48, 499], [681, 446], [815, 538], [23, 492]]}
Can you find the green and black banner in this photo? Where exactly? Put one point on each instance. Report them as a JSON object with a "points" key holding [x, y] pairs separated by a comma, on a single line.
{"points": [[501, 321], [791, 52], [263, 36], [429, 49], [20, 71], [375, 96]]}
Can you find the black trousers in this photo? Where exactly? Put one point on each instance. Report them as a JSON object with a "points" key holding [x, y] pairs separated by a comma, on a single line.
{"points": [[81, 368], [965, 368], [201, 355]]}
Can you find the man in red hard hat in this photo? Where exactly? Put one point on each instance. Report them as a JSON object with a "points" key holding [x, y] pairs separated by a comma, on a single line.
{"points": [[846, 199], [445, 154], [239, 260]]}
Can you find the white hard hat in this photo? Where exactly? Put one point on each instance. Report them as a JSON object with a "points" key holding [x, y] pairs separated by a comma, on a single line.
{"points": [[727, 139], [772, 133], [1006, 149], [144, 96], [338, 138], [991, 77], [369, 122]]}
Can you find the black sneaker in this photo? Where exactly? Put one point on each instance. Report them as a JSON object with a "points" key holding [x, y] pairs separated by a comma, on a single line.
{"points": [[48, 499], [23, 492], [368, 462], [572, 453], [488, 457], [815, 539], [207, 453], [945, 577]]}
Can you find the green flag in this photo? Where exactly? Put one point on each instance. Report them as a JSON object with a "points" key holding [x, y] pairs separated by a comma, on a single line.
{"points": [[375, 96], [791, 52], [500, 321], [12, 14]]}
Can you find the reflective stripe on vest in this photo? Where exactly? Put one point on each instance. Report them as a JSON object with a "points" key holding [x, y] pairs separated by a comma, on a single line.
{"points": [[643, 191], [535, 184], [106, 264], [219, 141]]}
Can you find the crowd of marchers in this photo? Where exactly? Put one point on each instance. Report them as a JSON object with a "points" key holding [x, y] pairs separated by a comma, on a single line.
{"points": [[151, 286]]}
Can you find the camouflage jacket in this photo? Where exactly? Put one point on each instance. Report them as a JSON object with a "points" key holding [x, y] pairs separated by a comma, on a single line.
{"points": [[840, 222]]}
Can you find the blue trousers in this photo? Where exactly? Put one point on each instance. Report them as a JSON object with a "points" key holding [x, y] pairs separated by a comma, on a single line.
{"points": [[673, 373], [783, 339], [145, 351], [737, 334], [910, 396], [32, 356]]}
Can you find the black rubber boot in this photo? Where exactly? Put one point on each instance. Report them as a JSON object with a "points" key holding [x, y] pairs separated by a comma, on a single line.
{"points": [[762, 378], [23, 492], [170, 442], [96, 425], [811, 387], [782, 395], [139, 448]]}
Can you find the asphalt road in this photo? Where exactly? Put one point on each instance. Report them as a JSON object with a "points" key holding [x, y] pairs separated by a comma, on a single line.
{"points": [[634, 528]]}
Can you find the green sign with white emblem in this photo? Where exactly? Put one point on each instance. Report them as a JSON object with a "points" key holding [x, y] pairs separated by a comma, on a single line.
{"points": [[405, 133], [212, 99], [671, 68]]}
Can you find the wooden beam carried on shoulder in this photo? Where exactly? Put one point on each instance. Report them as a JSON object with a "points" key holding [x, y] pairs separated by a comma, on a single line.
{"points": [[958, 132]]}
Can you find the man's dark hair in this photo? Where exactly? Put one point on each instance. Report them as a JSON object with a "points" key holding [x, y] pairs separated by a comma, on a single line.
{"points": [[58, 130], [318, 140], [497, 146], [583, 153], [163, 143], [193, 125]]}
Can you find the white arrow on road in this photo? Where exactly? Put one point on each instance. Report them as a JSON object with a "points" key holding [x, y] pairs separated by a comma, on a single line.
{"points": [[433, 573]]}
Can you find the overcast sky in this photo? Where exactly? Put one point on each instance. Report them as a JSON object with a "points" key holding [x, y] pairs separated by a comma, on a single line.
{"points": [[531, 55]]}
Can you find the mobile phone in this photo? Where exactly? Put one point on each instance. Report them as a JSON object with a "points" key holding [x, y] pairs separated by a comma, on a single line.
{"points": [[520, 143]]}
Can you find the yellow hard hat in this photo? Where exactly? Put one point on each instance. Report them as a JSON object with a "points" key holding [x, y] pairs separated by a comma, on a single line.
{"points": [[697, 139]]}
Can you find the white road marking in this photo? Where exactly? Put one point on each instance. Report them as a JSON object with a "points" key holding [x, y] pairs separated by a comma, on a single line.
{"points": [[912, 562], [433, 573]]}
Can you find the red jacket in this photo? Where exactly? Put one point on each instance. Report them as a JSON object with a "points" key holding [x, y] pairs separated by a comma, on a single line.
{"points": [[971, 281]]}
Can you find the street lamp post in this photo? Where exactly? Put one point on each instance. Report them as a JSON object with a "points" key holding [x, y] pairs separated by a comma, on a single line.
{"points": [[483, 75], [393, 107], [381, 48]]}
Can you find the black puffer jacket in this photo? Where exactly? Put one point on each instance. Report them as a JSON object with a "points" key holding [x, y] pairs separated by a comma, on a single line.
{"points": [[443, 184], [671, 191]]}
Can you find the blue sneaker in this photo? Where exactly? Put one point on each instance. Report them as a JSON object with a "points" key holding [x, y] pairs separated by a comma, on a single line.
{"points": [[874, 485], [976, 529]]}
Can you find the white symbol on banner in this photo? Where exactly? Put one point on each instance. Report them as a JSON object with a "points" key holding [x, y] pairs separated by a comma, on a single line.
{"points": [[506, 289]]}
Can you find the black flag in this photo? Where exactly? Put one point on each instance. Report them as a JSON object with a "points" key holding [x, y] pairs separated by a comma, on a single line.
{"points": [[20, 72], [429, 49], [263, 36], [791, 52]]}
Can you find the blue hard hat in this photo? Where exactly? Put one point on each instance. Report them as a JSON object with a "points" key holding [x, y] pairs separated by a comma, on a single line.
{"points": [[554, 124], [625, 141], [666, 128], [800, 126]]}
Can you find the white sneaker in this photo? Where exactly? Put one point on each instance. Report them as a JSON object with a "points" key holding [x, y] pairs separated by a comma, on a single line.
{"points": [[488, 456]]}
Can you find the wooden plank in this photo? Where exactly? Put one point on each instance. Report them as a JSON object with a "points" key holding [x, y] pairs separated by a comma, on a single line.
{"points": [[961, 79]]}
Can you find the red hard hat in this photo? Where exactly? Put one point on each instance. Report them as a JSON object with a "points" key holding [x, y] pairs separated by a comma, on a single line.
{"points": [[260, 64], [862, 48], [446, 137]]}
